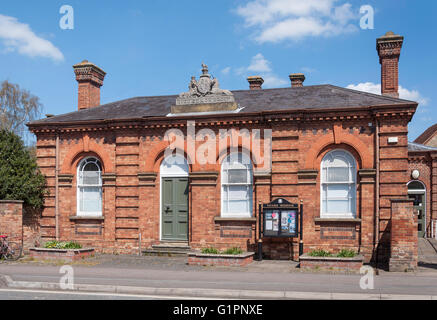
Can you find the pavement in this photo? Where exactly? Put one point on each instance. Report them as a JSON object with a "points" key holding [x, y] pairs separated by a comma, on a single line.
{"points": [[150, 277]]}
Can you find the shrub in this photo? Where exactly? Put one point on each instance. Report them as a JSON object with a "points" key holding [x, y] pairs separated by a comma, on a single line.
{"points": [[210, 251], [62, 245], [320, 253], [234, 251], [346, 253]]}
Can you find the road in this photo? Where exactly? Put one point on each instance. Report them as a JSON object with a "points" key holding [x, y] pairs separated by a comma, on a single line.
{"points": [[387, 283]]}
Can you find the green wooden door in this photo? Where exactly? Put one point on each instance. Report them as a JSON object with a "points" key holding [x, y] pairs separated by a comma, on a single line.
{"points": [[419, 205], [175, 208]]}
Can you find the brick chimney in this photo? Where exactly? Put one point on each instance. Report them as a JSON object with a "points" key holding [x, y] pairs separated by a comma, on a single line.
{"points": [[389, 49], [255, 82], [297, 80], [90, 79]]}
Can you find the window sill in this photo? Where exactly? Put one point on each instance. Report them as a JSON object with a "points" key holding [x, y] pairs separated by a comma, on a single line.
{"points": [[222, 219], [353, 220], [74, 218]]}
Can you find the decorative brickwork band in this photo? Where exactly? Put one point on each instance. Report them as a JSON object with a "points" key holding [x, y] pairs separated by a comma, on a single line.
{"points": [[307, 176], [65, 180], [147, 179], [367, 176], [203, 178], [108, 179]]}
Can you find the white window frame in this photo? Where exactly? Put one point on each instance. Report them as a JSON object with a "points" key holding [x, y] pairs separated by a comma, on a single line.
{"points": [[80, 186], [352, 184], [246, 164]]}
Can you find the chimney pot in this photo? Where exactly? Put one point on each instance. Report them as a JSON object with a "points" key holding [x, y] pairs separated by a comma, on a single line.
{"points": [[297, 80], [255, 82], [90, 78], [389, 50]]}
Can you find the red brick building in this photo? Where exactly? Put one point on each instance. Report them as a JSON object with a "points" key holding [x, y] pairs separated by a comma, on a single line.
{"points": [[422, 187], [343, 153]]}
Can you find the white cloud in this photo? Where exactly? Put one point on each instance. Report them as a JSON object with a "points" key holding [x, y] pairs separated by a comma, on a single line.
{"points": [[259, 64], [262, 67], [17, 36], [404, 93], [279, 20], [226, 70]]}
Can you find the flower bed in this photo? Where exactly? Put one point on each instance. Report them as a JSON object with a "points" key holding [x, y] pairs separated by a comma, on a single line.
{"points": [[331, 263], [61, 254], [220, 259]]}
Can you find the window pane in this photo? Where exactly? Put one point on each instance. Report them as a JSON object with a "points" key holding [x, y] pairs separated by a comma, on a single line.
{"points": [[91, 167], [91, 178], [237, 176], [238, 206], [338, 174], [90, 199], [338, 191], [238, 193], [338, 206]]}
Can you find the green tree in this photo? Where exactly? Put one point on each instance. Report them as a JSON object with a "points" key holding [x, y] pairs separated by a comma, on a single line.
{"points": [[20, 178]]}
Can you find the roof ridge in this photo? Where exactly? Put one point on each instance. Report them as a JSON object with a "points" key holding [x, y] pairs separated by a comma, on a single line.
{"points": [[371, 94]]}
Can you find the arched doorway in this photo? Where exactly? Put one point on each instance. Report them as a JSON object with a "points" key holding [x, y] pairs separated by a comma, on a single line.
{"points": [[174, 198], [417, 192]]}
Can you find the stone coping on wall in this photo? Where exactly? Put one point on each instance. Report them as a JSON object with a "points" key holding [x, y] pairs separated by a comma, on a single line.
{"points": [[62, 250], [11, 201], [221, 255], [306, 257]]}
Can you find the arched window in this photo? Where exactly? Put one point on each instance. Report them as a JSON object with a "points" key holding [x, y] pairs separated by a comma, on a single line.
{"points": [[89, 187], [338, 185], [237, 189]]}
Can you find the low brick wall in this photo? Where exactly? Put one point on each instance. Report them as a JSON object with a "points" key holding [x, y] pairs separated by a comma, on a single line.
{"points": [[201, 259], [61, 254], [11, 220], [331, 263]]}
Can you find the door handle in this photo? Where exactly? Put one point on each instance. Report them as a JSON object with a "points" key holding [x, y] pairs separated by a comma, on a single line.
{"points": [[167, 208]]}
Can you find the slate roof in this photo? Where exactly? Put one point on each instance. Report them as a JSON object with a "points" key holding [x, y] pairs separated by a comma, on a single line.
{"points": [[319, 97], [416, 147], [427, 134]]}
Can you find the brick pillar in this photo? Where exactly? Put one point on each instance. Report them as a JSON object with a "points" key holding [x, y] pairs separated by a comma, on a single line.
{"points": [[109, 210], [204, 207], [307, 184], [404, 254], [11, 220], [389, 49], [367, 194], [150, 214], [433, 202]]}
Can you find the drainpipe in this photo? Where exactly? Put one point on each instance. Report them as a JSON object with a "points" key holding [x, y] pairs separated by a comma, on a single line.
{"points": [[57, 188], [377, 202]]}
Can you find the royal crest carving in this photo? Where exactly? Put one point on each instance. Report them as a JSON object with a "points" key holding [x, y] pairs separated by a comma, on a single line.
{"points": [[203, 91]]}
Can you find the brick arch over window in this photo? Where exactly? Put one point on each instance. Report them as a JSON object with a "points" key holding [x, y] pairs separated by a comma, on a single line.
{"points": [[223, 153], [359, 149], [86, 148], [155, 156]]}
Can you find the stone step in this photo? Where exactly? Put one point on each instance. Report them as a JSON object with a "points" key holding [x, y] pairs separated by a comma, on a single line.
{"points": [[168, 248]]}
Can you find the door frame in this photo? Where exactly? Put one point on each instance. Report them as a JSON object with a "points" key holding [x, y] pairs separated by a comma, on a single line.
{"points": [[421, 191], [172, 175]]}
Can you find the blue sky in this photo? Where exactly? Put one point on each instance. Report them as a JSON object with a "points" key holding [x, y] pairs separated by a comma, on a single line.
{"points": [[153, 47]]}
